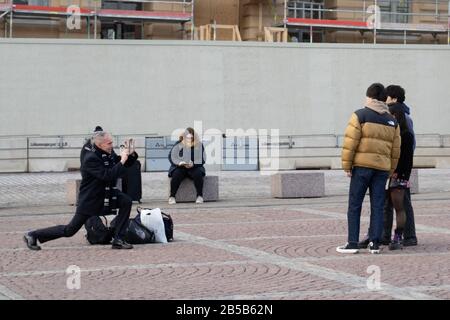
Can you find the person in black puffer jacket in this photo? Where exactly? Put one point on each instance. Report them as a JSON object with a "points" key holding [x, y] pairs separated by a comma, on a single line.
{"points": [[396, 97], [399, 182]]}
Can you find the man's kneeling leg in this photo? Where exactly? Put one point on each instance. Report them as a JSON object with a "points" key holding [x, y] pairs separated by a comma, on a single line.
{"points": [[124, 203], [52, 233]]}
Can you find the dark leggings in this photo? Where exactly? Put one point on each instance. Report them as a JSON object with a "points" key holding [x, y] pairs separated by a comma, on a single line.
{"points": [[397, 198], [179, 174], [124, 204], [410, 227]]}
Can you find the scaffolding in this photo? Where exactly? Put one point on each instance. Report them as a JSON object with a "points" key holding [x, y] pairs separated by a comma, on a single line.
{"points": [[401, 20], [185, 14], [370, 16]]}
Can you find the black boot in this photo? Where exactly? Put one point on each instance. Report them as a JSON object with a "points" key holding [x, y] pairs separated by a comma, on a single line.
{"points": [[409, 242], [396, 243], [121, 244], [386, 240]]}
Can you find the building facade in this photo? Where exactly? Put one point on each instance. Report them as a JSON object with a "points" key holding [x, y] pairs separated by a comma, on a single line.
{"points": [[334, 21]]}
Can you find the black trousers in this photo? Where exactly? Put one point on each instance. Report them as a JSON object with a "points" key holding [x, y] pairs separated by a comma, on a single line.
{"points": [[410, 226], [124, 204], [179, 174]]}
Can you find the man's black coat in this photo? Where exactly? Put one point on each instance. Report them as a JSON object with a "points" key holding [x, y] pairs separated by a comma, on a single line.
{"points": [[99, 172]]}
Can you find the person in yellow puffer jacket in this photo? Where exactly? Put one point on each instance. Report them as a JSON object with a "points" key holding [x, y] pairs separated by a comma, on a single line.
{"points": [[370, 154]]}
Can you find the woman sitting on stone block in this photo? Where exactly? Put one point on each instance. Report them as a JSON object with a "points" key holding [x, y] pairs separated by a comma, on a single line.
{"points": [[187, 158]]}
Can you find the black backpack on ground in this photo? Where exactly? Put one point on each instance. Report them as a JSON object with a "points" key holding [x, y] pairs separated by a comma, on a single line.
{"points": [[97, 231]]}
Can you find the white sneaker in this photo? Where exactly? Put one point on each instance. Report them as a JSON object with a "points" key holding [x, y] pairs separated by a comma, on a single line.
{"points": [[374, 248], [172, 200], [348, 249], [199, 200]]}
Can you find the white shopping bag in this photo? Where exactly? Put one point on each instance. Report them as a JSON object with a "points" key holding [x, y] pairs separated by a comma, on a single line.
{"points": [[152, 220]]}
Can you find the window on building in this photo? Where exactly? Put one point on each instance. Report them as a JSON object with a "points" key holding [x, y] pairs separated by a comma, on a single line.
{"points": [[305, 36], [121, 5], [32, 2], [394, 10], [305, 9], [121, 29]]}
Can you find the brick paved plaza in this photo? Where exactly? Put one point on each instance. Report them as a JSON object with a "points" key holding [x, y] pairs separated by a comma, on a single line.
{"points": [[245, 246]]}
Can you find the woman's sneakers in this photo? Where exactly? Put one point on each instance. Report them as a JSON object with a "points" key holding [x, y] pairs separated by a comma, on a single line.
{"points": [[348, 248], [396, 243], [199, 200], [173, 201]]}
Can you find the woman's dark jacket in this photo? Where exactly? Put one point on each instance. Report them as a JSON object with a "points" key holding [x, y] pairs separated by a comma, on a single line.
{"points": [[180, 152]]}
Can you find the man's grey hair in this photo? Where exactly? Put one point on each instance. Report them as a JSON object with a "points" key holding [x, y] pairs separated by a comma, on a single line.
{"points": [[99, 136]]}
